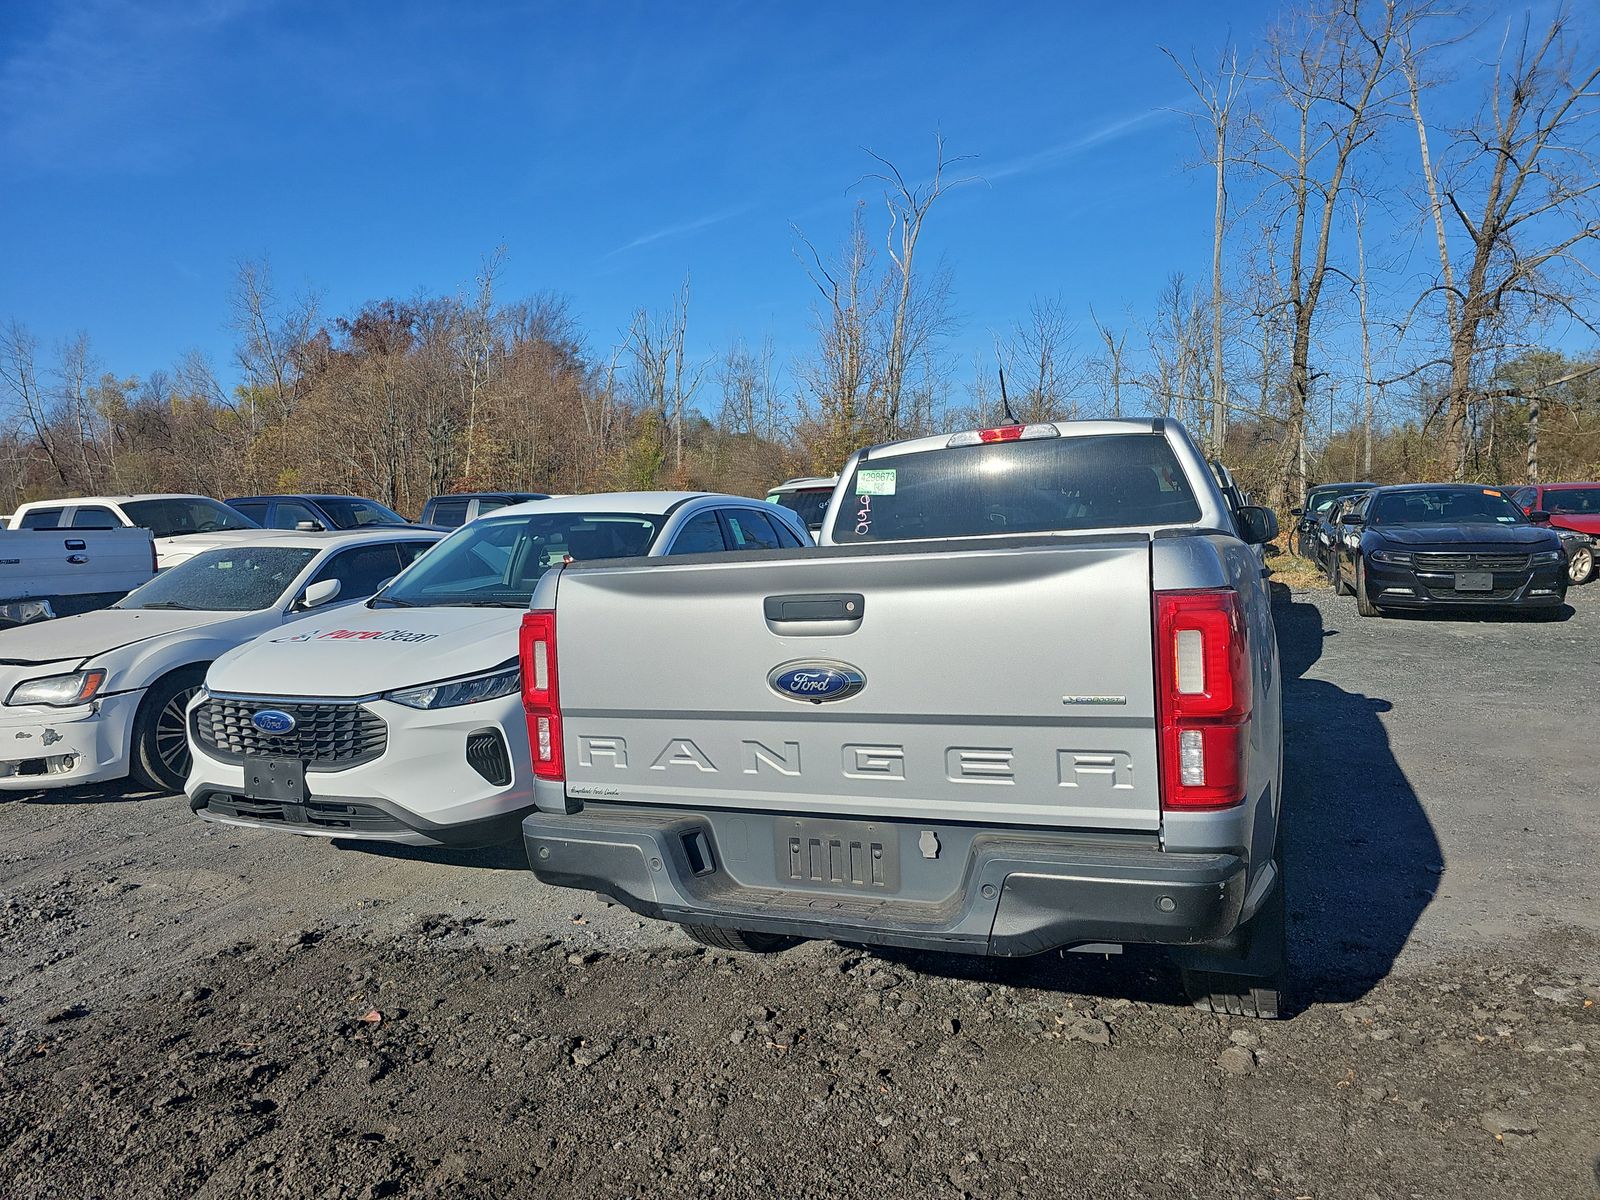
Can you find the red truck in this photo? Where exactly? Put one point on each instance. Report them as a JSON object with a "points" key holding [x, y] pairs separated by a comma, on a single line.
{"points": [[1569, 506]]}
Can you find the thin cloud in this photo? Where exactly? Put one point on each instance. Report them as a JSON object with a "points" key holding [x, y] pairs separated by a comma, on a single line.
{"points": [[1111, 131], [683, 230]]}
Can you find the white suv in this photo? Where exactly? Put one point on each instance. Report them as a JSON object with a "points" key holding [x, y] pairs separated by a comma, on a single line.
{"points": [[402, 720]]}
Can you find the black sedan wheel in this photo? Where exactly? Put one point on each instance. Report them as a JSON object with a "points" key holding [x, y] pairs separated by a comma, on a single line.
{"points": [[1364, 606]]}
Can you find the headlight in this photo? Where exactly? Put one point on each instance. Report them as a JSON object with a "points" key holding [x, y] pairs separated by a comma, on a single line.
{"points": [[454, 692], [59, 691], [1402, 557], [1545, 557]]}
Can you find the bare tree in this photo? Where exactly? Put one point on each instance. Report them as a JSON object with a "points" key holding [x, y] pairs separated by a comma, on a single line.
{"points": [[1218, 94], [664, 380], [19, 370], [1366, 345], [1330, 69], [476, 343], [749, 392], [911, 324], [1112, 362], [1041, 363], [1521, 182]]}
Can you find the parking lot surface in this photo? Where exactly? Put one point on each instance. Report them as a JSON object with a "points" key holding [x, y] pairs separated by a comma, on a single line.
{"points": [[191, 1010]]}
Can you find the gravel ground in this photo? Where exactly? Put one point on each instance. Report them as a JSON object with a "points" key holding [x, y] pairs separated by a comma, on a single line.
{"points": [[186, 1010]]}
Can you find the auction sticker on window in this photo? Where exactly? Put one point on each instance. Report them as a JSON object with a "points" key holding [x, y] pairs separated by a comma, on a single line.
{"points": [[875, 483]]}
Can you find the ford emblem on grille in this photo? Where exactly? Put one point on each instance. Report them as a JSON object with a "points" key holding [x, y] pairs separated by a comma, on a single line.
{"points": [[816, 681], [270, 720]]}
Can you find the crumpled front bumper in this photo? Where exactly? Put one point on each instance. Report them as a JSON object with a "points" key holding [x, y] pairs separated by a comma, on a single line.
{"points": [[44, 747]]}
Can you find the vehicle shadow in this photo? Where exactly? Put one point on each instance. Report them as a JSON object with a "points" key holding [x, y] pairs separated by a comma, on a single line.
{"points": [[508, 856], [114, 792], [1363, 861]]}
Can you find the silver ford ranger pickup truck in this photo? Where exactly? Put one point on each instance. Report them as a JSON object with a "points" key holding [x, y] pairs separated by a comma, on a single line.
{"points": [[1024, 696]]}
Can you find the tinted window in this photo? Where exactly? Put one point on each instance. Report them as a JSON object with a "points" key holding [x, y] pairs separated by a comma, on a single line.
{"points": [[811, 505], [241, 580], [1523, 498], [1444, 506], [360, 571], [701, 535], [356, 514], [92, 516], [176, 516], [1039, 485], [256, 510], [498, 561], [1579, 501], [411, 551], [287, 514], [448, 512], [787, 536], [42, 518], [750, 530]]}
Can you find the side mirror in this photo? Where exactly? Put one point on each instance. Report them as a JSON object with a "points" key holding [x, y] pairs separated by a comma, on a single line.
{"points": [[323, 591], [309, 527], [1538, 516], [1297, 512], [1257, 525]]}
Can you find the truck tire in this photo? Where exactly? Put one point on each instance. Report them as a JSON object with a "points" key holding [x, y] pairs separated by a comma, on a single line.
{"points": [[741, 939], [1364, 606], [160, 737], [1260, 988]]}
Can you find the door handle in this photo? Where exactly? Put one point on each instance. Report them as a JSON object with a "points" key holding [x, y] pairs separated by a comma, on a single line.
{"points": [[814, 614]]}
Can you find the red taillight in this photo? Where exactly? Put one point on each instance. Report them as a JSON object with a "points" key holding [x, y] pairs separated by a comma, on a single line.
{"points": [[541, 696], [1202, 698], [1005, 433]]}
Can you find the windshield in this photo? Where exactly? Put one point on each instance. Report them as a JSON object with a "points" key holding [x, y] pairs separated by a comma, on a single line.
{"points": [[175, 516], [1034, 486], [243, 580], [354, 514], [1581, 501], [1444, 506], [498, 561]]}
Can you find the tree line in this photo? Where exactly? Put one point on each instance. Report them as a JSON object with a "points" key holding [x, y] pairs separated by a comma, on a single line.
{"points": [[1321, 342]]}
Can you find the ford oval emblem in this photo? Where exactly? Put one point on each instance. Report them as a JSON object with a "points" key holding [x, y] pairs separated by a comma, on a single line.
{"points": [[270, 720], [816, 681]]}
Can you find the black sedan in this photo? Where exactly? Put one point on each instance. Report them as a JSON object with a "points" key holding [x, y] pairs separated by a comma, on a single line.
{"points": [[1318, 501], [1326, 531], [1439, 545]]}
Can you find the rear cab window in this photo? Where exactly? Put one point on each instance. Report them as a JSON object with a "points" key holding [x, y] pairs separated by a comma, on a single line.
{"points": [[42, 518], [1034, 485]]}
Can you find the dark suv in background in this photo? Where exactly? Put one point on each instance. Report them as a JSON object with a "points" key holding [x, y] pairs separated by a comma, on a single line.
{"points": [[310, 513], [1432, 545], [447, 512]]}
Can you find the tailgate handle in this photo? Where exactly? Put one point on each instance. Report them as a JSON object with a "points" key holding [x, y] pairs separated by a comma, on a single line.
{"points": [[815, 606], [77, 544]]}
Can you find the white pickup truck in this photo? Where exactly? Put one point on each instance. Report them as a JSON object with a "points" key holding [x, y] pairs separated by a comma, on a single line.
{"points": [[59, 572], [183, 524], [1024, 696]]}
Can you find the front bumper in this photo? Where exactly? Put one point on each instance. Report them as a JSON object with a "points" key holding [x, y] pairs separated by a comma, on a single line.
{"points": [[421, 791], [1006, 892], [44, 747], [1395, 585]]}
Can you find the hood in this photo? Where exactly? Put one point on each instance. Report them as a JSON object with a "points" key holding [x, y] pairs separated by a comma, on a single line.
{"points": [[359, 651], [1582, 522], [73, 639], [174, 550], [1476, 535]]}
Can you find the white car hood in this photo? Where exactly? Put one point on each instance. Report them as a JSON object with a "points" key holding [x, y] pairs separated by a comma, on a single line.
{"points": [[73, 639], [359, 651]]}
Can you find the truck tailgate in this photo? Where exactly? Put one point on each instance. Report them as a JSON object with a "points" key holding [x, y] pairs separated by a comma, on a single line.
{"points": [[1008, 684]]}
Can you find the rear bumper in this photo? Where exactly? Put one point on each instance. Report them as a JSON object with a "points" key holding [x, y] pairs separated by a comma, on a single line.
{"points": [[1020, 892]]}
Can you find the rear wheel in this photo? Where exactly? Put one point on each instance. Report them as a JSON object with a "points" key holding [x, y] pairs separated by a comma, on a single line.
{"points": [[160, 733], [1364, 606], [741, 939], [1580, 566], [1259, 985], [1335, 575]]}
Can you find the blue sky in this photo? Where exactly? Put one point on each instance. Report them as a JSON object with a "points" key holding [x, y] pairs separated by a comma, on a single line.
{"points": [[372, 150]]}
